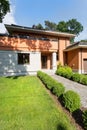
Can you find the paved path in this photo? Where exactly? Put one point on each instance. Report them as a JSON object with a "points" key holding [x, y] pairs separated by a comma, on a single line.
{"points": [[70, 85]]}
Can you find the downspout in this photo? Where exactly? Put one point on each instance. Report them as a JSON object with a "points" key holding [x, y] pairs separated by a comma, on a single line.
{"points": [[81, 60]]}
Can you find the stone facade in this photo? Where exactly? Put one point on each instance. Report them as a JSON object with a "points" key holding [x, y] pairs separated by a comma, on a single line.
{"points": [[9, 63]]}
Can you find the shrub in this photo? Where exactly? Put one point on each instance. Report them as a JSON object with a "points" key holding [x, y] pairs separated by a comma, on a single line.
{"points": [[68, 72], [71, 100], [64, 71], [60, 71], [46, 79], [59, 65], [76, 77], [51, 84], [58, 89], [84, 115], [83, 79]]}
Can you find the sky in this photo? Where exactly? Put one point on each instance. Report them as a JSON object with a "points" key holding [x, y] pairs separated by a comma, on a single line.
{"points": [[29, 12]]}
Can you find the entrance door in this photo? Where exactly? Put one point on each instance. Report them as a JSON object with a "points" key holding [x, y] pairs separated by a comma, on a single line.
{"points": [[44, 61]]}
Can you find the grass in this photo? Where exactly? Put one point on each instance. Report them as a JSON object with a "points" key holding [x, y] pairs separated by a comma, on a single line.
{"points": [[26, 105]]}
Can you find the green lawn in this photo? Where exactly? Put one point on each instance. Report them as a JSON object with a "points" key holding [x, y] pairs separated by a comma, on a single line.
{"points": [[26, 105]]}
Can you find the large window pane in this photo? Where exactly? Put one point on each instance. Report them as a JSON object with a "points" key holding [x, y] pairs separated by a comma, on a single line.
{"points": [[23, 58]]}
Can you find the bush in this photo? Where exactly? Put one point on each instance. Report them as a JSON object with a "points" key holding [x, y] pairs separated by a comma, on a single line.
{"points": [[51, 84], [84, 115], [83, 79], [58, 89], [71, 100], [64, 71], [76, 77], [46, 79]]}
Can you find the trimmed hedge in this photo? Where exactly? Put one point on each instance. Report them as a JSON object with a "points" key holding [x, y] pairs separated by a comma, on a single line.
{"points": [[84, 115], [83, 79], [66, 72], [71, 100], [57, 88], [76, 77]]}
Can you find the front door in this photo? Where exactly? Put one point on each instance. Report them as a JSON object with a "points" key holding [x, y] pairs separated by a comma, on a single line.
{"points": [[44, 61]]}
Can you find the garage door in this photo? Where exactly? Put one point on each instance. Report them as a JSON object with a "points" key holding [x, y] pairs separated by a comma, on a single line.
{"points": [[85, 65]]}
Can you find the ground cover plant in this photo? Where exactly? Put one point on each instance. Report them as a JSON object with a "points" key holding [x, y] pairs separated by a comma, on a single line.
{"points": [[26, 105]]}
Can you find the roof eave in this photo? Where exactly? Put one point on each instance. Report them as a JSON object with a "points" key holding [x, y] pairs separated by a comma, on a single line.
{"points": [[11, 28], [75, 47]]}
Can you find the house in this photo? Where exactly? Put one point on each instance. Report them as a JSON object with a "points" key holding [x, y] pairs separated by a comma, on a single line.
{"points": [[76, 57], [26, 50]]}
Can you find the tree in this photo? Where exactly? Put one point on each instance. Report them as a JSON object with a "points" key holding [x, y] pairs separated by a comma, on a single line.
{"points": [[85, 40], [38, 26], [4, 8], [71, 26], [74, 26], [62, 26], [50, 25]]}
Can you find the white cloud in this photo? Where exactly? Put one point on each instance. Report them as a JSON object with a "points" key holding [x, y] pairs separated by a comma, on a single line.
{"points": [[9, 19], [82, 36]]}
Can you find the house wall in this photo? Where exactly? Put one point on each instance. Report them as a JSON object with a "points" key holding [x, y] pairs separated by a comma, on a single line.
{"points": [[9, 63], [73, 59], [82, 56], [10, 46], [63, 43], [7, 43]]}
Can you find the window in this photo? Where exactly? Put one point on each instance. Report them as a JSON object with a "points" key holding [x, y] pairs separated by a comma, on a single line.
{"points": [[23, 58], [57, 56]]}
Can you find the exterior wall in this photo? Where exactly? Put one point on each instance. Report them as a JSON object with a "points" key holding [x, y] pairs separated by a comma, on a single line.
{"points": [[9, 63], [7, 43], [63, 43], [73, 59], [49, 62], [82, 56], [10, 46]]}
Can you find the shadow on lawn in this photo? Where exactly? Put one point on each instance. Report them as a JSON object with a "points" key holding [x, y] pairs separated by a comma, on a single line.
{"points": [[77, 115], [14, 77], [61, 127]]}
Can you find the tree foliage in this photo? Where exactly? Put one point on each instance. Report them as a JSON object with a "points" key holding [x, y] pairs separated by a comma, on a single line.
{"points": [[62, 26], [50, 25], [38, 26], [71, 26], [4, 8], [74, 26]]}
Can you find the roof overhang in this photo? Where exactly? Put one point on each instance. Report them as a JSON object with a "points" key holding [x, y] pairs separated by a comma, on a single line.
{"points": [[16, 28], [76, 46]]}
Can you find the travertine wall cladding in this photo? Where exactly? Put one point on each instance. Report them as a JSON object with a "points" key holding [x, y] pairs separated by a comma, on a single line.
{"points": [[9, 63]]}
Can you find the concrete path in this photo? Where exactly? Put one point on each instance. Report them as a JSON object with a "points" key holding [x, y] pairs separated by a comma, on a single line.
{"points": [[70, 85]]}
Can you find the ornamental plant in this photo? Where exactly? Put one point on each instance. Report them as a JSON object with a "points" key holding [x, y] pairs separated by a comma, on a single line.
{"points": [[71, 100]]}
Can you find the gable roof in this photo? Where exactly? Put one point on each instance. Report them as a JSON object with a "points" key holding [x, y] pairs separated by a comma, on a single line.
{"points": [[16, 28]]}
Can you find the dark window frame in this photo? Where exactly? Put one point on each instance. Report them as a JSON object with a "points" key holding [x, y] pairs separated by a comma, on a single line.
{"points": [[23, 58]]}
